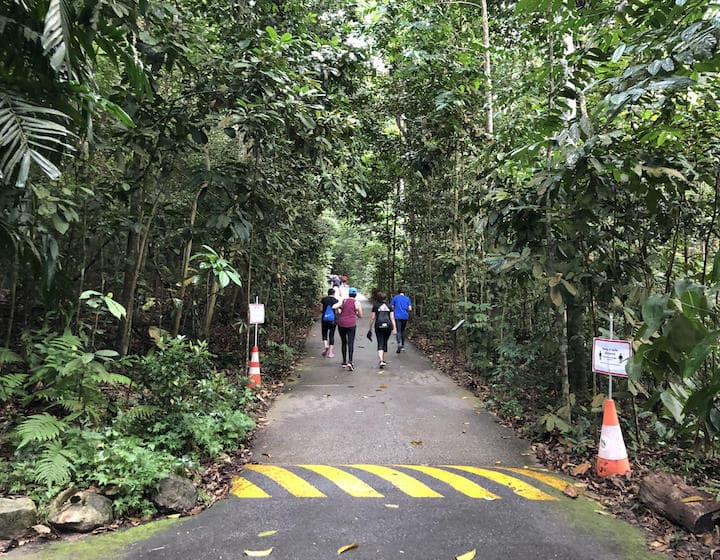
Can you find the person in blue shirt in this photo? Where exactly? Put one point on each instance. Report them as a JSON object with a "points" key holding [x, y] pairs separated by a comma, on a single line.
{"points": [[401, 306]]}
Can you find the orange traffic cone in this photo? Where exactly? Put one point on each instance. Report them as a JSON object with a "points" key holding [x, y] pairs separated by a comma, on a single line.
{"points": [[612, 455], [254, 373]]}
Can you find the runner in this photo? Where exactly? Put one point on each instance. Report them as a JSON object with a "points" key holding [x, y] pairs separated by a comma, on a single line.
{"points": [[401, 306], [328, 323], [350, 311], [384, 321]]}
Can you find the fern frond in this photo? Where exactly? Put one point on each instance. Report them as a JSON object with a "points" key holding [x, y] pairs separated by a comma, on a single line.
{"points": [[10, 383], [54, 467], [40, 427], [140, 412], [7, 356], [25, 131]]}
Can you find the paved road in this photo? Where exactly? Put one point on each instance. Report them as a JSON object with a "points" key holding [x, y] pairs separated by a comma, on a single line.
{"points": [[399, 461]]}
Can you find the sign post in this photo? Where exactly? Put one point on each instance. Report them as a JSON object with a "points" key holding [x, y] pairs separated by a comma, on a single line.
{"points": [[256, 316], [610, 356]]}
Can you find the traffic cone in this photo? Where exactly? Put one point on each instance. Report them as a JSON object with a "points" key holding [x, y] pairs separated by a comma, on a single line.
{"points": [[612, 455], [254, 373]]}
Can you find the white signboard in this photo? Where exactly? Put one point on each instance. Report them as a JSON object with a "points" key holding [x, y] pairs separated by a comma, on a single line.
{"points": [[256, 314], [611, 356]]}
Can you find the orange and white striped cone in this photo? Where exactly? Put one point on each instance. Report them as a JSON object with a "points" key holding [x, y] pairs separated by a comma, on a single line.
{"points": [[612, 455], [254, 373]]}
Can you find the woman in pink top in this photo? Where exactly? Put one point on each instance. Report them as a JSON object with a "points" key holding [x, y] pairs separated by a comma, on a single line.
{"points": [[350, 311]]}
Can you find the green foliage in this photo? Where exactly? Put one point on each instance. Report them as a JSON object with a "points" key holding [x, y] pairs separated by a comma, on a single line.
{"points": [[675, 358], [99, 302], [278, 358], [211, 263], [187, 406], [128, 466], [64, 374]]}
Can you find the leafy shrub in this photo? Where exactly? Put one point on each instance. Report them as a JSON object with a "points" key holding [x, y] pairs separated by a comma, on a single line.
{"points": [[278, 358], [188, 407]]}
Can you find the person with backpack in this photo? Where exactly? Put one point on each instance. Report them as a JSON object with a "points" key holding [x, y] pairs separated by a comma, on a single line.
{"points": [[328, 323], [383, 319], [350, 311], [401, 306]]}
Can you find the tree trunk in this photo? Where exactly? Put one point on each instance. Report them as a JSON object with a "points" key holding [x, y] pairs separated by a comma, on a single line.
{"points": [[488, 76], [131, 282]]}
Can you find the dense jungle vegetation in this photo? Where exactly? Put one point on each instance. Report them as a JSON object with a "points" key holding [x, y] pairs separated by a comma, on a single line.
{"points": [[531, 167]]}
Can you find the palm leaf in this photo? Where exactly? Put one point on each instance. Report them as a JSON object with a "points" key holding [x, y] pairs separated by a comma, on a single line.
{"points": [[25, 131], [56, 36]]}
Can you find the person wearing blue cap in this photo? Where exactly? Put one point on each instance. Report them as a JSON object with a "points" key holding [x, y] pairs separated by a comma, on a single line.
{"points": [[350, 311]]}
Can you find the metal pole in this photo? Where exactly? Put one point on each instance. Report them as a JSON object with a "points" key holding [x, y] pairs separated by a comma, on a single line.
{"points": [[610, 377], [257, 300]]}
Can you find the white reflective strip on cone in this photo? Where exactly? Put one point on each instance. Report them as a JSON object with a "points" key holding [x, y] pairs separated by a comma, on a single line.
{"points": [[612, 446]]}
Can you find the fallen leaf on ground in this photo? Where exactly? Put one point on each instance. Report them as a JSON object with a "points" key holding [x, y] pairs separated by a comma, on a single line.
{"points": [[383, 386], [691, 499], [347, 547], [266, 533], [258, 553], [42, 529], [582, 468], [173, 516], [605, 513], [417, 442], [467, 556], [570, 491], [394, 506]]}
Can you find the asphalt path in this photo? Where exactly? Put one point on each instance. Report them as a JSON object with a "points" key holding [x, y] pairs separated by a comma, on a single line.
{"points": [[333, 434]]}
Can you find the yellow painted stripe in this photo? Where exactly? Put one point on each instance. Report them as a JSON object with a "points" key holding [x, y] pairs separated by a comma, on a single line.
{"points": [[411, 486], [516, 485], [459, 483], [345, 481], [288, 480], [245, 489], [550, 480]]}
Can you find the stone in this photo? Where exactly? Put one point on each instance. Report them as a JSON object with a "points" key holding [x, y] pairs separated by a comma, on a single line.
{"points": [[17, 515], [80, 511], [175, 494]]}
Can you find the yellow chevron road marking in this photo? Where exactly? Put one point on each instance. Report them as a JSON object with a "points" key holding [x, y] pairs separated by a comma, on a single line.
{"points": [[459, 483], [345, 481], [288, 480], [405, 483], [245, 489], [554, 481], [517, 486]]}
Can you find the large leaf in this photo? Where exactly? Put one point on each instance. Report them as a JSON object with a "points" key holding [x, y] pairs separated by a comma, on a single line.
{"points": [[56, 36], [25, 131]]}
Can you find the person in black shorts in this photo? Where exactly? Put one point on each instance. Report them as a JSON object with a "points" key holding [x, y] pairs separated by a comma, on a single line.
{"points": [[383, 320], [328, 323]]}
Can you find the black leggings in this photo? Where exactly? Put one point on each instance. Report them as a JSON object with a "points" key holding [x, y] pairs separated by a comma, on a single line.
{"points": [[328, 331], [401, 324], [382, 338], [347, 338]]}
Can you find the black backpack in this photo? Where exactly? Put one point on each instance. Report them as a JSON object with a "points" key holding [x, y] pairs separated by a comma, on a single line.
{"points": [[382, 317]]}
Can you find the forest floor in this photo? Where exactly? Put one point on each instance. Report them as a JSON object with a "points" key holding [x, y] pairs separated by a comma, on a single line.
{"points": [[619, 495]]}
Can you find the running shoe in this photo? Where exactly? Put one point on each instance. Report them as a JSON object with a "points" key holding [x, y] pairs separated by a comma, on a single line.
{"points": [[330, 354], [324, 352], [399, 349], [383, 364], [350, 367], [343, 365]]}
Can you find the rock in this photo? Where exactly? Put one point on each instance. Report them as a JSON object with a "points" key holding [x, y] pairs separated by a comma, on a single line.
{"points": [[175, 494], [80, 510], [16, 516]]}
